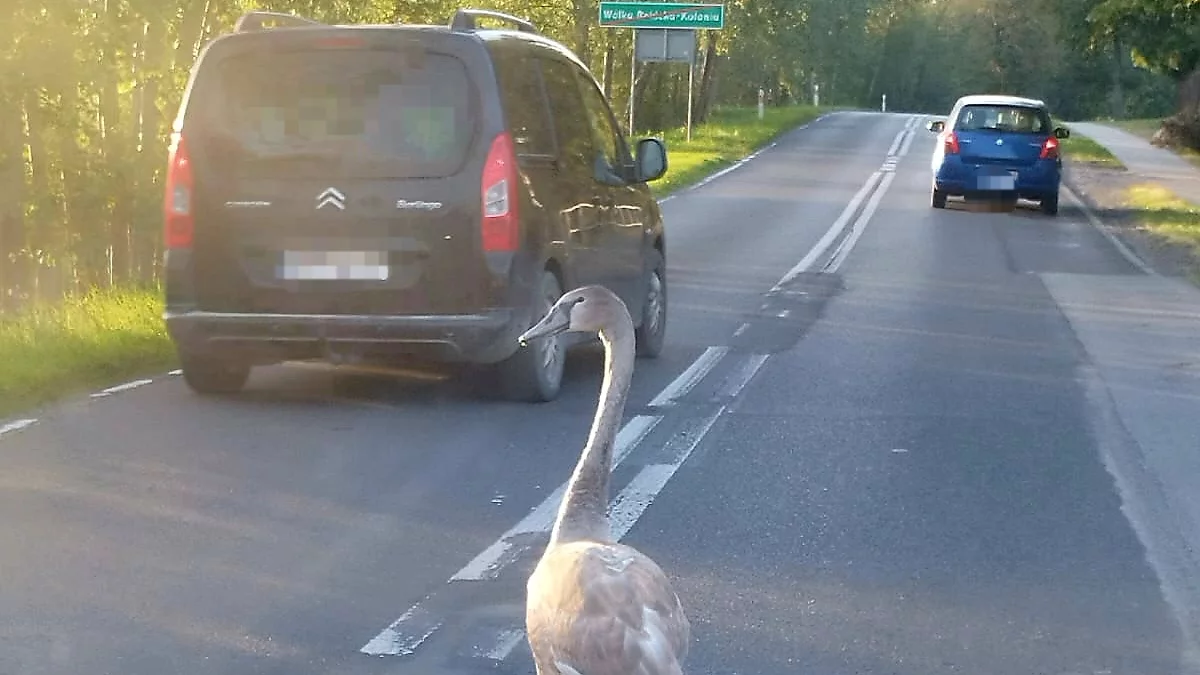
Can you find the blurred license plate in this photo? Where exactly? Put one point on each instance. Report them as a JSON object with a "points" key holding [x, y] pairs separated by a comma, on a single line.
{"points": [[334, 265], [1005, 182]]}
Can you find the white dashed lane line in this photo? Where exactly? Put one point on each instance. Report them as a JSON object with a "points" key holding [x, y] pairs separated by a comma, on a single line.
{"points": [[121, 387], [16, 425]]}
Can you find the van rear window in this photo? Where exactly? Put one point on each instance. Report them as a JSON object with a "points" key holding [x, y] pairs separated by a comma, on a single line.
{"points": [[370, 112]]}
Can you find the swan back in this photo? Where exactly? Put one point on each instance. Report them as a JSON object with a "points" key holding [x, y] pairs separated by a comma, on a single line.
{"points": [[604, 609]]}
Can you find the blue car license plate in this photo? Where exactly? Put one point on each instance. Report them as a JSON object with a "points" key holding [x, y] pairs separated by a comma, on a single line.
{"points": [[1006, 181]]}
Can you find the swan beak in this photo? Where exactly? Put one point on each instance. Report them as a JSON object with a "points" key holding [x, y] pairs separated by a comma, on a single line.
{"points": [[554, 323]]}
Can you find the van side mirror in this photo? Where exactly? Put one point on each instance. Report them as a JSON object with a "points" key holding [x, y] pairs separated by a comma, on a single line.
{"points": [[935, 126], [1062, 132], [651, 160]]}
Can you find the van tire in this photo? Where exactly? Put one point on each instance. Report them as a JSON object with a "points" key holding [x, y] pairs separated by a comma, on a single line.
{"points": [[652, 332], [526, 376]]}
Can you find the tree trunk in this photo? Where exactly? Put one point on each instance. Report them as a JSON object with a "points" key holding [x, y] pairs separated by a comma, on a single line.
{"points": [[190, 31], [45, 223], [872, 92], [1183, 128], [1116, 97], [1189, 94], [12, 202], [610, 55], [80, 249], [584, 12], [150, 131], [117, 160], [705, 96]]}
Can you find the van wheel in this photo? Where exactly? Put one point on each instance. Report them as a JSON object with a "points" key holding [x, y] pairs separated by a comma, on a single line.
{"points": [[937, 199], [1050, 204], [651, 334], [534, 373], [211, 375]]}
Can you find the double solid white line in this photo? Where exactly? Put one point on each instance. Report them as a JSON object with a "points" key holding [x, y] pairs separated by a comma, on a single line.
{"points": [[875, 187]]}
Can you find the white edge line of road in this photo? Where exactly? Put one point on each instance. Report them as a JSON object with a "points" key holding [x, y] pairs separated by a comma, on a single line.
{"points": [[632, 501], [17, 425], [1100, 227], [121, 387]]}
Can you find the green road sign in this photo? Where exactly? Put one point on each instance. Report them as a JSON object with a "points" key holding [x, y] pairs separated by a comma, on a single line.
{"points": [[683, 15]]}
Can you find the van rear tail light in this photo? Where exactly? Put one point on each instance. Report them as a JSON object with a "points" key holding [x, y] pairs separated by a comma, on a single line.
{"points": [[178, 217], [500, 230]]}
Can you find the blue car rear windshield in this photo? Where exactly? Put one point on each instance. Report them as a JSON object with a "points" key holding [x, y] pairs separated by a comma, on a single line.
{"points": [[1005, 118]]}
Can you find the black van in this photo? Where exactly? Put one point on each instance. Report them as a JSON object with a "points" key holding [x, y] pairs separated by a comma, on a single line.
{"points": [[399, 192]]}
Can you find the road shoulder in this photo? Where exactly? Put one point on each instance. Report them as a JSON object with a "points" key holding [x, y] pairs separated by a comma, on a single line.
{"points": [[1142, 377], [1150, 203]]}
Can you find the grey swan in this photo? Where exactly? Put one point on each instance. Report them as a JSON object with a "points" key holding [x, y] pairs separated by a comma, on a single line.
{"points": [[595, 606]]}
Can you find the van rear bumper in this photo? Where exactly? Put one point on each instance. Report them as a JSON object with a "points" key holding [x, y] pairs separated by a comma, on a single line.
{"points": [[483, 337]]}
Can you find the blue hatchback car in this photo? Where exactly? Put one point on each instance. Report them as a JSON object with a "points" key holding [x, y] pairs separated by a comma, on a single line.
{"points": [[1002, 146]]}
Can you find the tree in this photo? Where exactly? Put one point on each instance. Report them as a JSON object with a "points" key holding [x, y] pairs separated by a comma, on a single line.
{"points": [[1164, 37]]}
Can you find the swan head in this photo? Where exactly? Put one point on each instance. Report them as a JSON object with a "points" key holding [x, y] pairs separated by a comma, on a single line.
{"points": [[589, 309]]}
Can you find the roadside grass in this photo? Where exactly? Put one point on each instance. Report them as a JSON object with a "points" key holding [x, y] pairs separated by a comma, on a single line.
{"points": [[1145, 128], [729, 135], [92, 340], [1081, 149], [103, 337], [1164, 214]]}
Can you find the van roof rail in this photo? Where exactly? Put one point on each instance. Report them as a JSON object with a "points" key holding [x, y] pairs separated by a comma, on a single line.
{"points": [[254, 21], [464, 19]]}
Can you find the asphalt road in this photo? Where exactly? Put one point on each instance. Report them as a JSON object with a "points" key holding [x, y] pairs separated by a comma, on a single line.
{"points": [[881, 439]]}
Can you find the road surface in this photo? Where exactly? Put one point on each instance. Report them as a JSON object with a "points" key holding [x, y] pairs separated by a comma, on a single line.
{"points": [[882, 438]]}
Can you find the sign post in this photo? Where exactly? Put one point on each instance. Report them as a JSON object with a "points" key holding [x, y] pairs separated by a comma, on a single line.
{"points": [[762, 111], [663, 31], [883, 106]]}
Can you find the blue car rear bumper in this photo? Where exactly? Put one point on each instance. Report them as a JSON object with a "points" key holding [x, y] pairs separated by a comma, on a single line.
{"points": [[1031, 181]]}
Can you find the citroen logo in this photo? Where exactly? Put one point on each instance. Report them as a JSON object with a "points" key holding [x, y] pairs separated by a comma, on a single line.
{"points": [[331, 197]]}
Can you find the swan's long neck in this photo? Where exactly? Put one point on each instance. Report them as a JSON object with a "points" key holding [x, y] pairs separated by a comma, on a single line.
{"points": [[584, 510]]}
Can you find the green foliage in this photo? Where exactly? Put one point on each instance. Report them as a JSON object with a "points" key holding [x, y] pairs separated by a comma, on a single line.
{"points": [[85, 341], [1166, 215], [1163, 34], [1081, 149]]}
